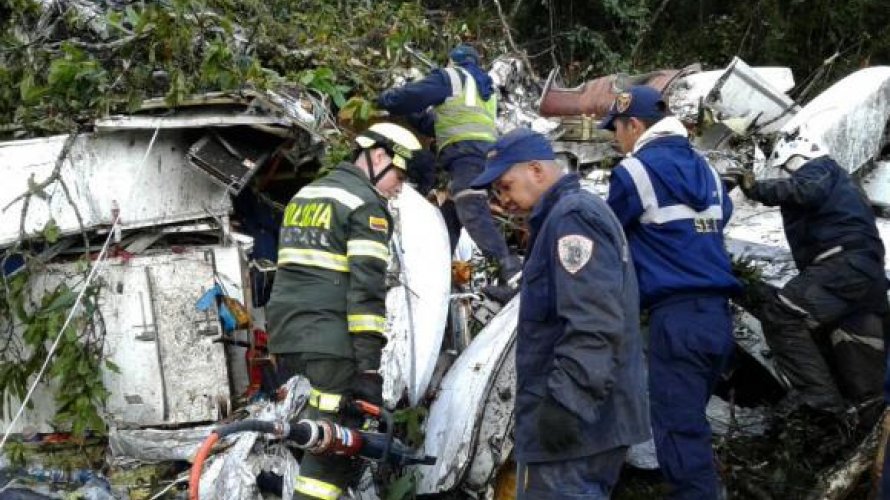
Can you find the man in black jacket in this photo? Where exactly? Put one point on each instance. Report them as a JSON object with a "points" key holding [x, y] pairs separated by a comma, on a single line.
{"points": [[841, 285]]}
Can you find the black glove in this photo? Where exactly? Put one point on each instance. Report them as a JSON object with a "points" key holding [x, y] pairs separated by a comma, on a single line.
{"points": [[741, 177], [558, 428], [368, 386]]}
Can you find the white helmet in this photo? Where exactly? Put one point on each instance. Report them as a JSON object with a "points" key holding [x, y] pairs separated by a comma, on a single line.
{"points": [[793, 151], [399, 142]]}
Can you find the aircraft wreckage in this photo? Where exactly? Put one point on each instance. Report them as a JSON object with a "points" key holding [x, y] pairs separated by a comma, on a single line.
{"points": [[190, 196]]}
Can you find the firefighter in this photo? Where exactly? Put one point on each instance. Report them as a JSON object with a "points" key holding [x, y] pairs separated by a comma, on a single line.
{"points": [[326, 312], [673, 207], [580, 382], [462, 119], [839, 297]]}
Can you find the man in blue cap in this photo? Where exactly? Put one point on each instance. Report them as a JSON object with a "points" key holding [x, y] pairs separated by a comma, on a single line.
{"points": [[673, 207], [580, 383], [458, 106]]}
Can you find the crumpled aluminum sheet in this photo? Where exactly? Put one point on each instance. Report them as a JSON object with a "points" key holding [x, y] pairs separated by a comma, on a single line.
{"points": [[725, 417], [277, 459], [292, 104], [519, 104], [157, 445], [230, 474]]}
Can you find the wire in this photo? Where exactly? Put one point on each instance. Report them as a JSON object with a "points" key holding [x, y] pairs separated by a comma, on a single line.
{"points": [[93, 272], [168, 487]]}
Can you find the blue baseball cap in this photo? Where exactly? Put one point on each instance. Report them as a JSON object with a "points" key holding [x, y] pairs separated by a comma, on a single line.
{"points": [[640, 101], [463, 54], [517, 146]]}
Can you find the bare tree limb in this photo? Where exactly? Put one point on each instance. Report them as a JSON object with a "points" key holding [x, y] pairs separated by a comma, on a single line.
{"points": [[114, 44], [646, 30], [515, 9], [54, 176], [552, 36], [83, 231], [513, 47]]}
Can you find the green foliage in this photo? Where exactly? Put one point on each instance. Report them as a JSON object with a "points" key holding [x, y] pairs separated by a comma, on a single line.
{"points": [[74, 369], [412, 419], [324, 80], [403, 488], [55, 75], [15, 452]]}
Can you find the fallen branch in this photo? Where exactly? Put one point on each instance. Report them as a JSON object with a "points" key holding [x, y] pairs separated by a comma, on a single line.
{"points": [[34, 189], [513, 47], [83, 231], [114, 44]]}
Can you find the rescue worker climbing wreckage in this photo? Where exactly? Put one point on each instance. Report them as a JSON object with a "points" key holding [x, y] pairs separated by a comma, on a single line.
{"points": [[326, 312], [673, 207], [837, 304], [580, 387], [462, 119]]}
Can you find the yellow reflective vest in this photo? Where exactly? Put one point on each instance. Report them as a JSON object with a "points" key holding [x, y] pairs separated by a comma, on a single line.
{"points": [[465, 116]]}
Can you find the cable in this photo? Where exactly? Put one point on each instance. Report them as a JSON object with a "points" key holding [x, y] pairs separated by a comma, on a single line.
{"points": [[93, 272], [168, 487]]}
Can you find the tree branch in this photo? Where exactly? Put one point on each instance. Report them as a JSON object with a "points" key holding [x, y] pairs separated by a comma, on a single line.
{"points": [[513, 47], [646, 30]]}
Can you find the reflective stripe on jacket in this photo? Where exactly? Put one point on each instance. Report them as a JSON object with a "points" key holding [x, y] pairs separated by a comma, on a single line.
{"points": [[673, 207], [332, 259], [465, 116]]}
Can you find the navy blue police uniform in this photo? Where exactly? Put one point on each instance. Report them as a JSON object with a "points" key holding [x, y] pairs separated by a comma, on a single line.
{"points": [[579, 362], [673, 208]]}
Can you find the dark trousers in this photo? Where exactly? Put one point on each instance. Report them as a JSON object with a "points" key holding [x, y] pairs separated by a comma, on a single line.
{"points": [[588, 478], [464, 163], [803, 315], [690, 346], [321, 475]]}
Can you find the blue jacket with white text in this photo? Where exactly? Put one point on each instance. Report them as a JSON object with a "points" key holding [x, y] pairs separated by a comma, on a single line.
{"points": [[673, 207]]}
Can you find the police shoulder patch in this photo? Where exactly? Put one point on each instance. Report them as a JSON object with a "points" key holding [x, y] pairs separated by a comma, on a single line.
{"points": [[574, 252], [378, 223]]}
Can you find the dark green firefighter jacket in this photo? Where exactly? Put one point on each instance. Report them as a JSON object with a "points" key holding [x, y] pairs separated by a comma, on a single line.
{"points": [[329, 291]]}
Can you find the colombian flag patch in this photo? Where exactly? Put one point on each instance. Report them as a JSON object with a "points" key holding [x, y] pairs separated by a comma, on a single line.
{"points": [[378, 224]]}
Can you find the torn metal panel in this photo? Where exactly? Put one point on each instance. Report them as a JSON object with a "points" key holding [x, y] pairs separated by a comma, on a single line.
{"points": [[211, 116], [691, 90], [741, 92], [849, 118], [417, 308], [877, 184], [495, 443], [228, 165], [595, 97], [171, 371], [453, 427], [100, 171]]}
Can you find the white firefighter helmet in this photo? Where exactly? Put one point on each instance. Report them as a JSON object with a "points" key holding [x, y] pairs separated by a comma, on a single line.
{"points": [[398, 141], [793, 151]]}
